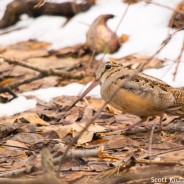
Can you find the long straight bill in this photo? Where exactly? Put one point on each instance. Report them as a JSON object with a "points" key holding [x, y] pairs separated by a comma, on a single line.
{"points": [[93, 85]]}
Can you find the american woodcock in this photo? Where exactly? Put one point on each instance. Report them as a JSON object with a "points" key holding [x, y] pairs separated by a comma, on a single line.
{"points": [[137, 93]]}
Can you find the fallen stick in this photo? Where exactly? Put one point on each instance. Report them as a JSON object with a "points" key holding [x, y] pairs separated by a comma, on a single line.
{"points": [[71, 154]]}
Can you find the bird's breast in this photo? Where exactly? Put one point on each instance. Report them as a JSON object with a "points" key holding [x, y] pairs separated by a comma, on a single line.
{"points": [[130, 102]]}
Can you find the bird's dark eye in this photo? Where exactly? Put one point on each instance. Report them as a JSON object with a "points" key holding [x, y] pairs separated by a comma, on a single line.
{"points": [[107, 67]]}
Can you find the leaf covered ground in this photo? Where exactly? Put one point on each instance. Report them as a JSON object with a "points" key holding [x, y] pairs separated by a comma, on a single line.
{"points": [[50, 125]]}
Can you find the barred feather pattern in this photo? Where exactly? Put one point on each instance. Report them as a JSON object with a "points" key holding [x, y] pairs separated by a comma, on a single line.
{"points": [[138, 93]]}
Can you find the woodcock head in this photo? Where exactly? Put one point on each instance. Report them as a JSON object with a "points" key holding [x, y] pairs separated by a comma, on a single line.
{"points": [[110, 71], [103, 72]]}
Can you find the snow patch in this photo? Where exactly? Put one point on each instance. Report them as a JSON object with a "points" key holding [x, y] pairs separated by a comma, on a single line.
{"points": [[73, 89], [17, 105]]}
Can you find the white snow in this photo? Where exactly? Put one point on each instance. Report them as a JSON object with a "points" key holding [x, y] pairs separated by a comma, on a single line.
{"points": [[69, 90], [17, 105], [145, 24], [166, 74], [44, 27]]}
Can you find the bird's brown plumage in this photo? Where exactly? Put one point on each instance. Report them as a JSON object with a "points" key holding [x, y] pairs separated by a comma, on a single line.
{"points": [[139, 94]]}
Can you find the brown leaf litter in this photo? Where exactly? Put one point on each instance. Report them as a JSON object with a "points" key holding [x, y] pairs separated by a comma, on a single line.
{"points": [[49, 125], [32, 132]]}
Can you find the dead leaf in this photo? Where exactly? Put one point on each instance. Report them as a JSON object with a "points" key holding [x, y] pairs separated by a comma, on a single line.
{"points": [[126, 119], [29, 138], [165, 146], [7, 127], [98, 166], [23, 55], [42, 83], [135, 61], [124, 38], [33, 118], [74, 176], [76, 50], [29, 45], [113, 110], [73, 116], [130, 1], [121, 142], [177, 155], [176, 20], [94, 103], [12, 154], [88, 135], [15, 143], [62, 131], [99, 38], [88, 113]]}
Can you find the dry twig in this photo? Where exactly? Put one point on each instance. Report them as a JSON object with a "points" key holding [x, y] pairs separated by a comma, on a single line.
{"points": [[151, 162], [43, 72], [71, 154], [178, 60]]}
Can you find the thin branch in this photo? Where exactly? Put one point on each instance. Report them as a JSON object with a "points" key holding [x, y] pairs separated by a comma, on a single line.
{"points": [[151, 162], [151, 140], [178, 60], [162, 153], [43, 72], [8, 90], [71, 154], [123, 16], [27, 81], [164, 43], [19, 147], [16, 62]]}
